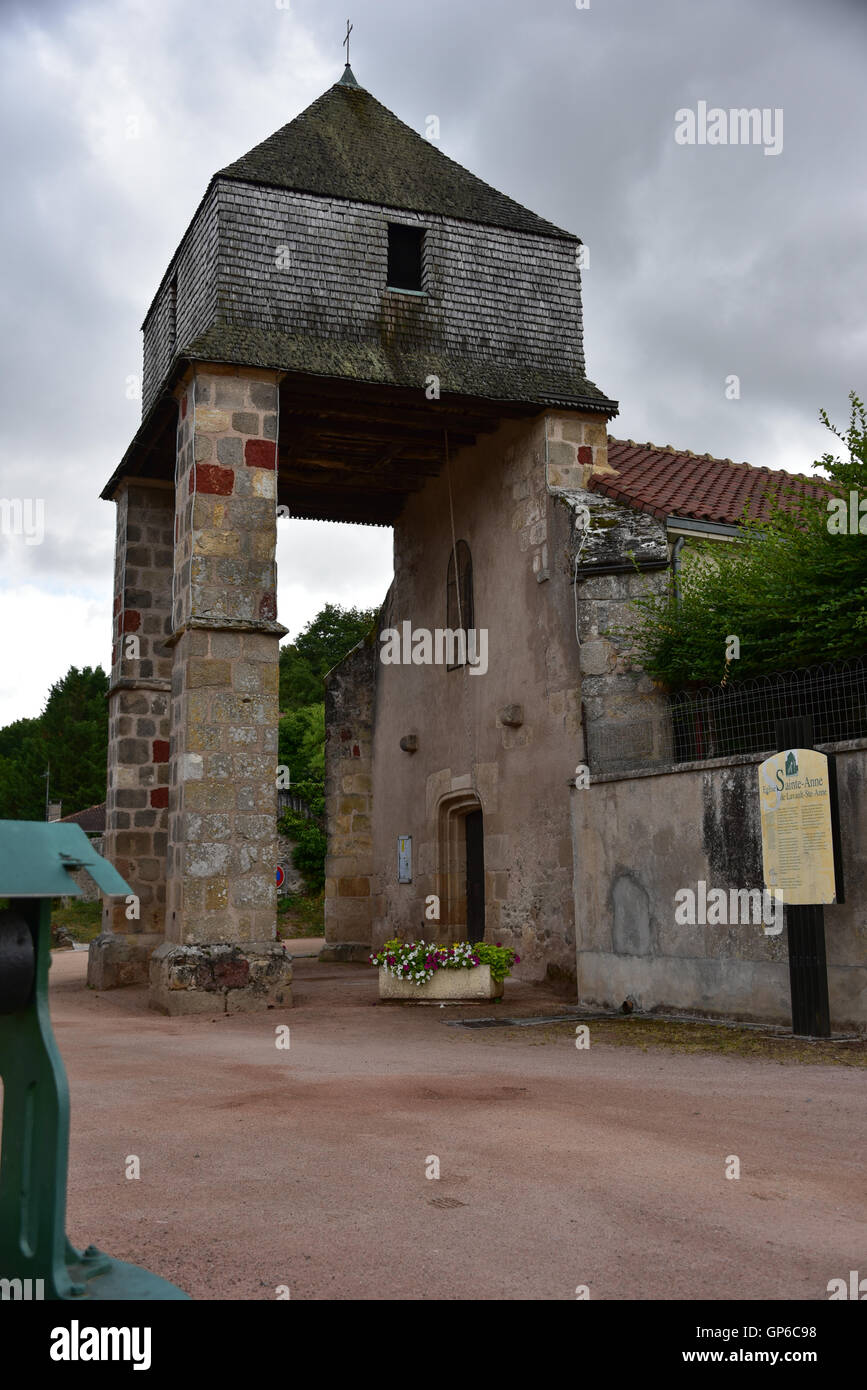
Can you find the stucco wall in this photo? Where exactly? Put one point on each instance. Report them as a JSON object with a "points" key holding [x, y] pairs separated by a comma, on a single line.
{"points": [[519, 536], [640, 838]]}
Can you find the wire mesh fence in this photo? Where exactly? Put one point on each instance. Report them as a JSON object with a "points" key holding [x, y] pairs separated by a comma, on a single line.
{"points": [[288, 801], [736, 719]]}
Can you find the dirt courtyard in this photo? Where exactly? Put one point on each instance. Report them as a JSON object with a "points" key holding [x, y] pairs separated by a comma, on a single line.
{"points": [[305, 1167]]}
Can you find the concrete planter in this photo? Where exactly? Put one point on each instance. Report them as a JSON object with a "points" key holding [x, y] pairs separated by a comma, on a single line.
{"points": [[454, 985]]}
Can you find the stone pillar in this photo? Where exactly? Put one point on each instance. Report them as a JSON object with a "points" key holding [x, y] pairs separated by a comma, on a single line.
{"points": [[137, 795], [349, 720], [221, 952]]}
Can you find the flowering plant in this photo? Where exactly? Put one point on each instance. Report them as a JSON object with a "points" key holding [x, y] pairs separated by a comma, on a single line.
{"points": [[418, 961]]}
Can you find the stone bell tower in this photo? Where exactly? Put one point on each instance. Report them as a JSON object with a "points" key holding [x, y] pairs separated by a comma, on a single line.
{"points": [[343, 296]]}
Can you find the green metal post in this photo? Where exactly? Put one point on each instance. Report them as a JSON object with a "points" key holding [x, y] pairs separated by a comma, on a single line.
{"points": [[36, 860], [35, 1122]]}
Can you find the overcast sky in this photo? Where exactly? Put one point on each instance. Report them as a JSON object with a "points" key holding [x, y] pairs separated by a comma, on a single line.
{"points": [[706, 261]]}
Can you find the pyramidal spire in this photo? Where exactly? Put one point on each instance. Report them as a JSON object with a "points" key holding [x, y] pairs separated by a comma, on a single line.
{"points": [[347, 145]]}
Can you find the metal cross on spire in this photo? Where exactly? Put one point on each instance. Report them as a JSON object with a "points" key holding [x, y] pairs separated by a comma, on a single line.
{"points": [[349, 29]]}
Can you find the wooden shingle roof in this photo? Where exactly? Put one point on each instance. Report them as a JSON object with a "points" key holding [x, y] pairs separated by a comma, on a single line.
{"points": [[348, 145]]}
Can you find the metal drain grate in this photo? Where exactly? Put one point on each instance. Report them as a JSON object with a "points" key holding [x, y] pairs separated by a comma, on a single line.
{"points": [[446, 1202], [518, 1022]]}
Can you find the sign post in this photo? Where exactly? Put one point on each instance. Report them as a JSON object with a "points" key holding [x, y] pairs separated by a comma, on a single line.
{"points": [[801, 858]]}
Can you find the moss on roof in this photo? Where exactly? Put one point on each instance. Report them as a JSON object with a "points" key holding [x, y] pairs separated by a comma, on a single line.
{"points": [[369, 361], [348, 145]]}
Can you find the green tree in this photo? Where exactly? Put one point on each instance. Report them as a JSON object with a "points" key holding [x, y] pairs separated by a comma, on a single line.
{"points": [[792, 589], [302, 742], [324, 642], [71, 735], [23, 760], [75, 731]]}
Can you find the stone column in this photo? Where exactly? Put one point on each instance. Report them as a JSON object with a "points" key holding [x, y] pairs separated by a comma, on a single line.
{"points": [[137, 795], [349, 721], [221, 951]]}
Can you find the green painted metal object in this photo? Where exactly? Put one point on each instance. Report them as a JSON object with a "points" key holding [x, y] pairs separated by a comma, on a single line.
{"points": [[36, 859]]}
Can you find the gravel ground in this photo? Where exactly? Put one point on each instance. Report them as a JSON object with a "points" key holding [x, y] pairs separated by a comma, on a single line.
{"points": [[306, 1168]]}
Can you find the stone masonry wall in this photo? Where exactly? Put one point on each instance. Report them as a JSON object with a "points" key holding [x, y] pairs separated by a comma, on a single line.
{"points": [[223, 797], [349, 710], [138, 754], [626, 719]]}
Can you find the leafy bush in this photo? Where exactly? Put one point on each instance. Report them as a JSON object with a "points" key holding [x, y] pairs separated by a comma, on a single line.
{"points": [[792, 589], [309, 853]]}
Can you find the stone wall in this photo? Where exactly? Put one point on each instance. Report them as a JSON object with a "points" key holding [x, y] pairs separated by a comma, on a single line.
{"points": [[506, 741], [349, 713], [136, 835], [221, 953], [89, 891], [640, 837], [619, 555], [223, 794]]}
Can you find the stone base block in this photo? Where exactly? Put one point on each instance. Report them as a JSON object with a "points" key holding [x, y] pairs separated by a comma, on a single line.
{"points": [[475, 983], [221, 978], [354, 951], [114, 960]]}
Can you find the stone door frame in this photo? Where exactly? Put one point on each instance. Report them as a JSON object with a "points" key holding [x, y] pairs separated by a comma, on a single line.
{"points": [[451, 813]]}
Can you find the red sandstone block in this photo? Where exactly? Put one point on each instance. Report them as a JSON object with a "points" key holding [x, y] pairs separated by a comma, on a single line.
{"points": [[585, 454], [232, 974], [268, 606], [161, 750], [160, 796], [131, 620], [210, 477], [260, 453]]}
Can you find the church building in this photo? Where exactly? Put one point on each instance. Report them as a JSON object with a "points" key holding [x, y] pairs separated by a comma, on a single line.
{"points": [[355, 328]]}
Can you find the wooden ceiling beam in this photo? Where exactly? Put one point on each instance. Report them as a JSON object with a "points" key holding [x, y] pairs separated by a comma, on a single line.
{"points": [[381, 483], [299, 387], [420, 419]]}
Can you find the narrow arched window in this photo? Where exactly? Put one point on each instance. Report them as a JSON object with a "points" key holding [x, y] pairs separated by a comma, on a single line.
{"points": [[460, 616]]}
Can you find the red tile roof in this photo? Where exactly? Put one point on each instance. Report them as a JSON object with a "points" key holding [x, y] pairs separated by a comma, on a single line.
{"points": [[91, 820], [671, 482]]}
